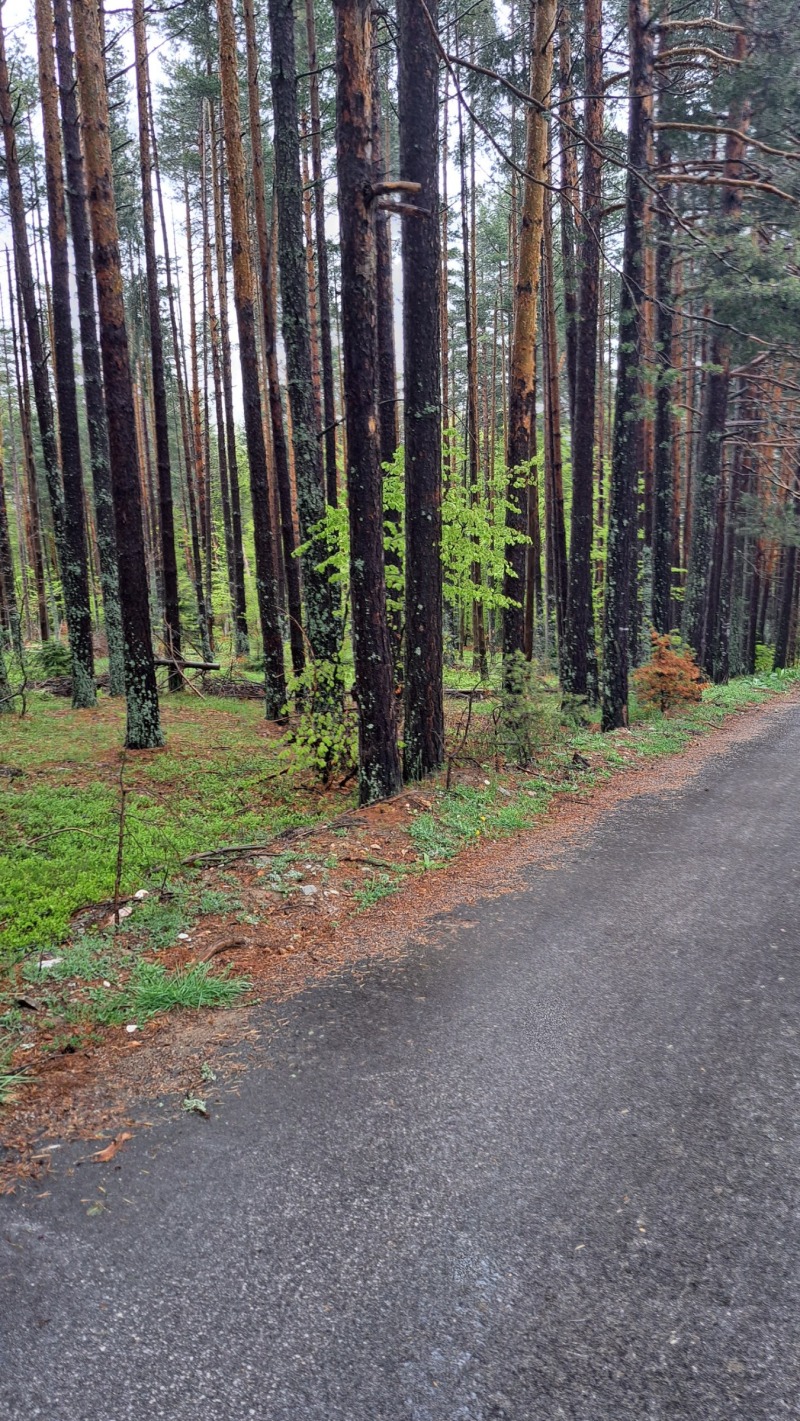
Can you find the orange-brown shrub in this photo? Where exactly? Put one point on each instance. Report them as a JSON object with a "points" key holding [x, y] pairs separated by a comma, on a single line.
{"points": [[671, 676]]}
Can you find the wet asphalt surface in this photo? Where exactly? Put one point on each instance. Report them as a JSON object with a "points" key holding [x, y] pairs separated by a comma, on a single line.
{"points": [[545, 1167]]}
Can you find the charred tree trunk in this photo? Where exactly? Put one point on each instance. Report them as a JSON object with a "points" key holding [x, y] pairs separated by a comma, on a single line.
{"points": [[322, 623], [521, 413], [68, 523], [245, 314], [144, 727], [625, 442], [418, 74], [579, 661], [378, 758], [279, 445], [169, 566]]}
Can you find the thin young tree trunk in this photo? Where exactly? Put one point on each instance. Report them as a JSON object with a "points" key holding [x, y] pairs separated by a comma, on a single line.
{"points": [[66, 505], [75, 564], [783, 641], [326, 345], [706, 489], [200, 470], [662, 532], [279, 446], [553, 433], [521, 412], [311, 275], [7, 583], [245, 315], [216, 375], [169, 566], [387, 373], [569, 197], [625, 446], [90, 351], [32, 502], [195, 567], [378, 758], [143, 727], [479, 659], [579, 661], [322, 623], [418, 71], [242, 642]]}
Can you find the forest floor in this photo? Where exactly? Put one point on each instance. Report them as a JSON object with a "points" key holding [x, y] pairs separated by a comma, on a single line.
{"points": [[121, 904]]}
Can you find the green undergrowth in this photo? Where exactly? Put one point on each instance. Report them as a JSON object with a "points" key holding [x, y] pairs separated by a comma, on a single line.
{"points": [[218, 780], [221, 780]]}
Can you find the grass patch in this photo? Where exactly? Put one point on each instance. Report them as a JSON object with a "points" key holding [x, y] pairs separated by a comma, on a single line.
{"points": [[217, 780], [152, 990]]}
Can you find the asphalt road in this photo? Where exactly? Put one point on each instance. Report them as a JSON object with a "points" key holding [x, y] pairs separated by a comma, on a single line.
{"points": [[545, 1167]]}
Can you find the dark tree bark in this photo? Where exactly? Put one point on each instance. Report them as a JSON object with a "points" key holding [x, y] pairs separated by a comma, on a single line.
{"points": [[322, 624], [521, 412], [387, 371], [34, 530], [706, 487], [625, 442], [143, 727], [199, 471], [783, 641], [90, 351], [554, 471], [210, 303], [378, 758], [279, 445], [245, 315], [578, 660], [237, 547], [68, 519], [169, 566], [75, 565], [7, 588], [418, 74], [662, 532], [705, 496], [569, 197], [326, 346]]}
